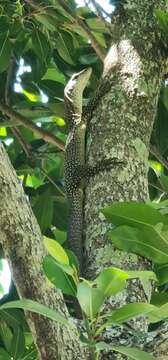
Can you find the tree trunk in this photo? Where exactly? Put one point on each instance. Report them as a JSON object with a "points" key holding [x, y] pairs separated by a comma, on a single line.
{"points": [[22, 244], [121, 128]]}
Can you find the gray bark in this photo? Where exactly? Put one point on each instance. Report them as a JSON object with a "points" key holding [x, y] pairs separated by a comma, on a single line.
{"points": [[121, 127], [21, 240]]}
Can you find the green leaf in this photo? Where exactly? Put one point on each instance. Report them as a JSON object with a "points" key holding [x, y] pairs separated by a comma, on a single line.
{"points": [[132, 353], [162, 206], [84, 339], [150, 242], [34, 306], [62, 48], [54, 74], [159, 298], [149, 275], [111, 281], [60, 213], [164, 182], [6, 335], [133, 214], [32, 181], [100, 39], [58, 121], [162, 17], [3, 132], [130, 311], [58, 277], [159, 314], [28, 338], [46, 20], [65, 268], [96, 24], [161, 126], [18, 343], [90, 299], [4, 355], [43, 210], [5, 51], [88, 59], [60, 235], [1, 289], [4, 24], [13, 317], [56, 250], [40, 44], [17, 30], [156, 166], [164, 94], [30, 355], [161, 271], [73, 259]]}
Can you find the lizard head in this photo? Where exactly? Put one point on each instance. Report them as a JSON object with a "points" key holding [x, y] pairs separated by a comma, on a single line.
{"points": [[81, 78], [74, 89]]}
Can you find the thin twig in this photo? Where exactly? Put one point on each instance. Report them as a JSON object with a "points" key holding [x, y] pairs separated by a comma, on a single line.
{"points": [[8, 81], [8, 124], [100, 12], [52, 182], [44, 134], [25, 146], [98, 6], [154, 151], [157, 187]]}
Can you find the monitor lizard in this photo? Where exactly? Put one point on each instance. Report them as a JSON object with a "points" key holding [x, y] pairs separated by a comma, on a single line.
{"points": [[75, 170]]}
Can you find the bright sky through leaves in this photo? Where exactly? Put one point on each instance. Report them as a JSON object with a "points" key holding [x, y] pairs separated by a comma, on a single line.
{"points": [[104, 4], [5, 277]]}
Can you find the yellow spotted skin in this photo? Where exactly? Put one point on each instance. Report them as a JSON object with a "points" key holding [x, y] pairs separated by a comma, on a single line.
{"points": [[75, 160]]}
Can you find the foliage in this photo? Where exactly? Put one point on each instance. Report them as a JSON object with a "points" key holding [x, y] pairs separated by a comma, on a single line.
{"points": [[141, 229], [91, 296], [54, 46]]}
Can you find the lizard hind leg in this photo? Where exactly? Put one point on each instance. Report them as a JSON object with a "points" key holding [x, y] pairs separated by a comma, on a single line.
{"points": [[103, 165]]}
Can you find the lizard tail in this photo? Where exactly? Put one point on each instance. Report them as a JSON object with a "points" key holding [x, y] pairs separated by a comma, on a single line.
{"points": [[75, 226]]}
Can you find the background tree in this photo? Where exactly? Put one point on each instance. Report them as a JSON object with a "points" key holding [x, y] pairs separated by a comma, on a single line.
{"points": [[41, 45]]}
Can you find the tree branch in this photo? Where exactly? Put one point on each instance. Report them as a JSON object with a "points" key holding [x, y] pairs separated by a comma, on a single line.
{"points": [[52, 182], [21, 240], [99, 8], [100, 12], [44, 134]]}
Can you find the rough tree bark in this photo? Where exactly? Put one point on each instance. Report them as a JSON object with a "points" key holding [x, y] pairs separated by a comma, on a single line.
{"points": [[120, 127], [21, 240]]}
